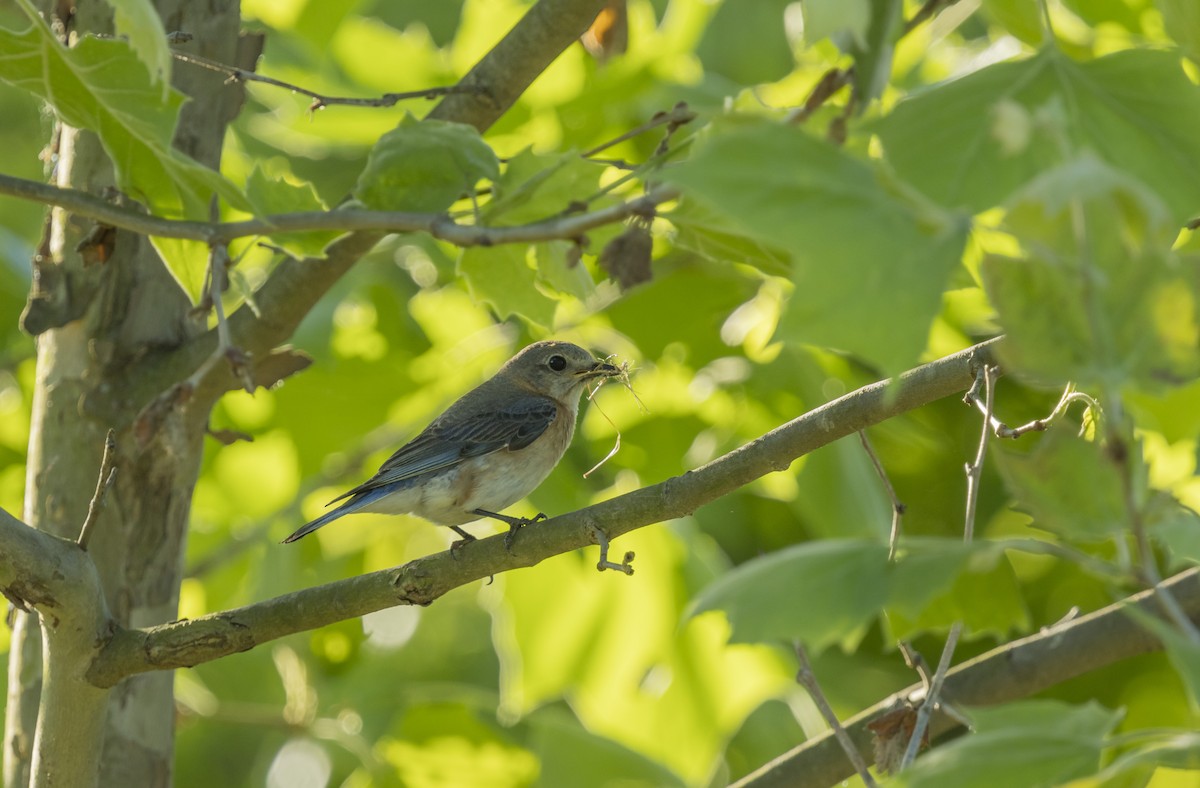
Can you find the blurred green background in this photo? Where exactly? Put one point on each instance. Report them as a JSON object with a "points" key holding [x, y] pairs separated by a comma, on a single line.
{"points": [[559, 675]]}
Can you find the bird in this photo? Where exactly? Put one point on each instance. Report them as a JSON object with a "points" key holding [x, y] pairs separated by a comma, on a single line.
{"points": [[488, 450]]}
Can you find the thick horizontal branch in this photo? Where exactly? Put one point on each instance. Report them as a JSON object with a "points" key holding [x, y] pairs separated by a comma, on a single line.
{"points": [[345, 220], [1009, 672], [187, 643]]}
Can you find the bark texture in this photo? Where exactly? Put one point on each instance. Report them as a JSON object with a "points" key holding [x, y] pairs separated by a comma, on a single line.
{"points": [[91, 322]]}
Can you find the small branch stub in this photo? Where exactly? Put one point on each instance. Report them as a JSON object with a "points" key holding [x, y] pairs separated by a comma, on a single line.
{"points": [[601, 538], [104, 480]]}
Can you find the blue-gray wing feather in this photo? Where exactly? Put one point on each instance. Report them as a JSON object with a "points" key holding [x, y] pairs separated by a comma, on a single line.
{"points": [[453, 438]]}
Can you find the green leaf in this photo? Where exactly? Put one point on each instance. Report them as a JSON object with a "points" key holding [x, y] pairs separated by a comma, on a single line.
{"points": [[1178, 530], [535, 187], [1038, 742], [1181, 19], [747, 43], [836, 19], [1099, 250], [936, 582], [570, 754], [139, 22], [559, 269], [272, 195], [1173, 750], [818, 592], [1182, 651], [503, 277], [1134, 109], [101, 85], [710, 234], [425, 166], [1067, 485], [872, 293]]}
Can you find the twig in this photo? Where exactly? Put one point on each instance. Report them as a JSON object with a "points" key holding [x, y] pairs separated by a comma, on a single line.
{"points": [[1002, 430], [320, 100], [104, 480], [679, 115], [898, 508], [601, 539], [808, 679], [827, 86], [984, 374], [924, 13], [345, 220], [239, 360]]}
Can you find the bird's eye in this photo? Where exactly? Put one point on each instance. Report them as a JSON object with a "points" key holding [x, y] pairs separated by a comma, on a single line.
{"points": [[557, 363]]}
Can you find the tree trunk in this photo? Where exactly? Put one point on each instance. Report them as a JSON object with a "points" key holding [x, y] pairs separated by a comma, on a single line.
{"points": [[91, 321]]}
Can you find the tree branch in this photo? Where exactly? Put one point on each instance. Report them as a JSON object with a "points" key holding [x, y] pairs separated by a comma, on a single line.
{"points": [[55, 577], [499, 79], [292, 289], [1014, 670], [420, 582], [438, 225], [320, 100]]}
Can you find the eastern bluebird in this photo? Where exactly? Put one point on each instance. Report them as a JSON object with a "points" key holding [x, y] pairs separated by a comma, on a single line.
{"points": [[488, 450]]}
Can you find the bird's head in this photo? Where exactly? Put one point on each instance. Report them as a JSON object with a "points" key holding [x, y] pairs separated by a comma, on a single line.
{"points": [[557, 369]]}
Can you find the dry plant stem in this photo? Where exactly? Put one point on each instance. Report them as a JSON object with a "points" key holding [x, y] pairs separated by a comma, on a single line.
{"points": [[104, 480], [1009, 672], [1002, 430], [898, 508], [808, 679], [974, 471], [187, 643], [440, 226], [319, 100]]}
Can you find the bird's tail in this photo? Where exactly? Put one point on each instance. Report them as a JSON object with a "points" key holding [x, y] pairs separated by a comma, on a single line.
{"points": [[352, 505]]}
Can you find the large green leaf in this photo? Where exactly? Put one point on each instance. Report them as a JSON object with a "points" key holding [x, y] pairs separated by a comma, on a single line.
{"points": [[100, 85], [937, 582], [535, 187], [818, 592], [1099, 249], [1181, 19], [138, 21], [1036, 742], [974, 141], [1068, 486], [272, 195], [869, 266], [425, 166], [504, 277]]}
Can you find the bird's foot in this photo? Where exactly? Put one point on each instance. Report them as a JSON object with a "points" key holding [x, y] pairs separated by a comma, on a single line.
{"points": [[514, 524], [458, 544], [601, 538]]}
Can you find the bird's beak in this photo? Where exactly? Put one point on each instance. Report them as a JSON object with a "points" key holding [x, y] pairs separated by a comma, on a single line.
{"points": [[601, 369]]}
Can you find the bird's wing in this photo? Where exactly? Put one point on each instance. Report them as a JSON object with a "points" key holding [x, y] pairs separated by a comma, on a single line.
{"points": [[449, 441]]}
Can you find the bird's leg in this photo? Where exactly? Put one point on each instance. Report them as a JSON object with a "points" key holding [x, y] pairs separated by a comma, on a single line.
{"points": [[514, 523], [457, 544]]}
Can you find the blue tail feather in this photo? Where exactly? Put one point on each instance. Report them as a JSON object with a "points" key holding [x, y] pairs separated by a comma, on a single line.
{"points": [[349, 507]]}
